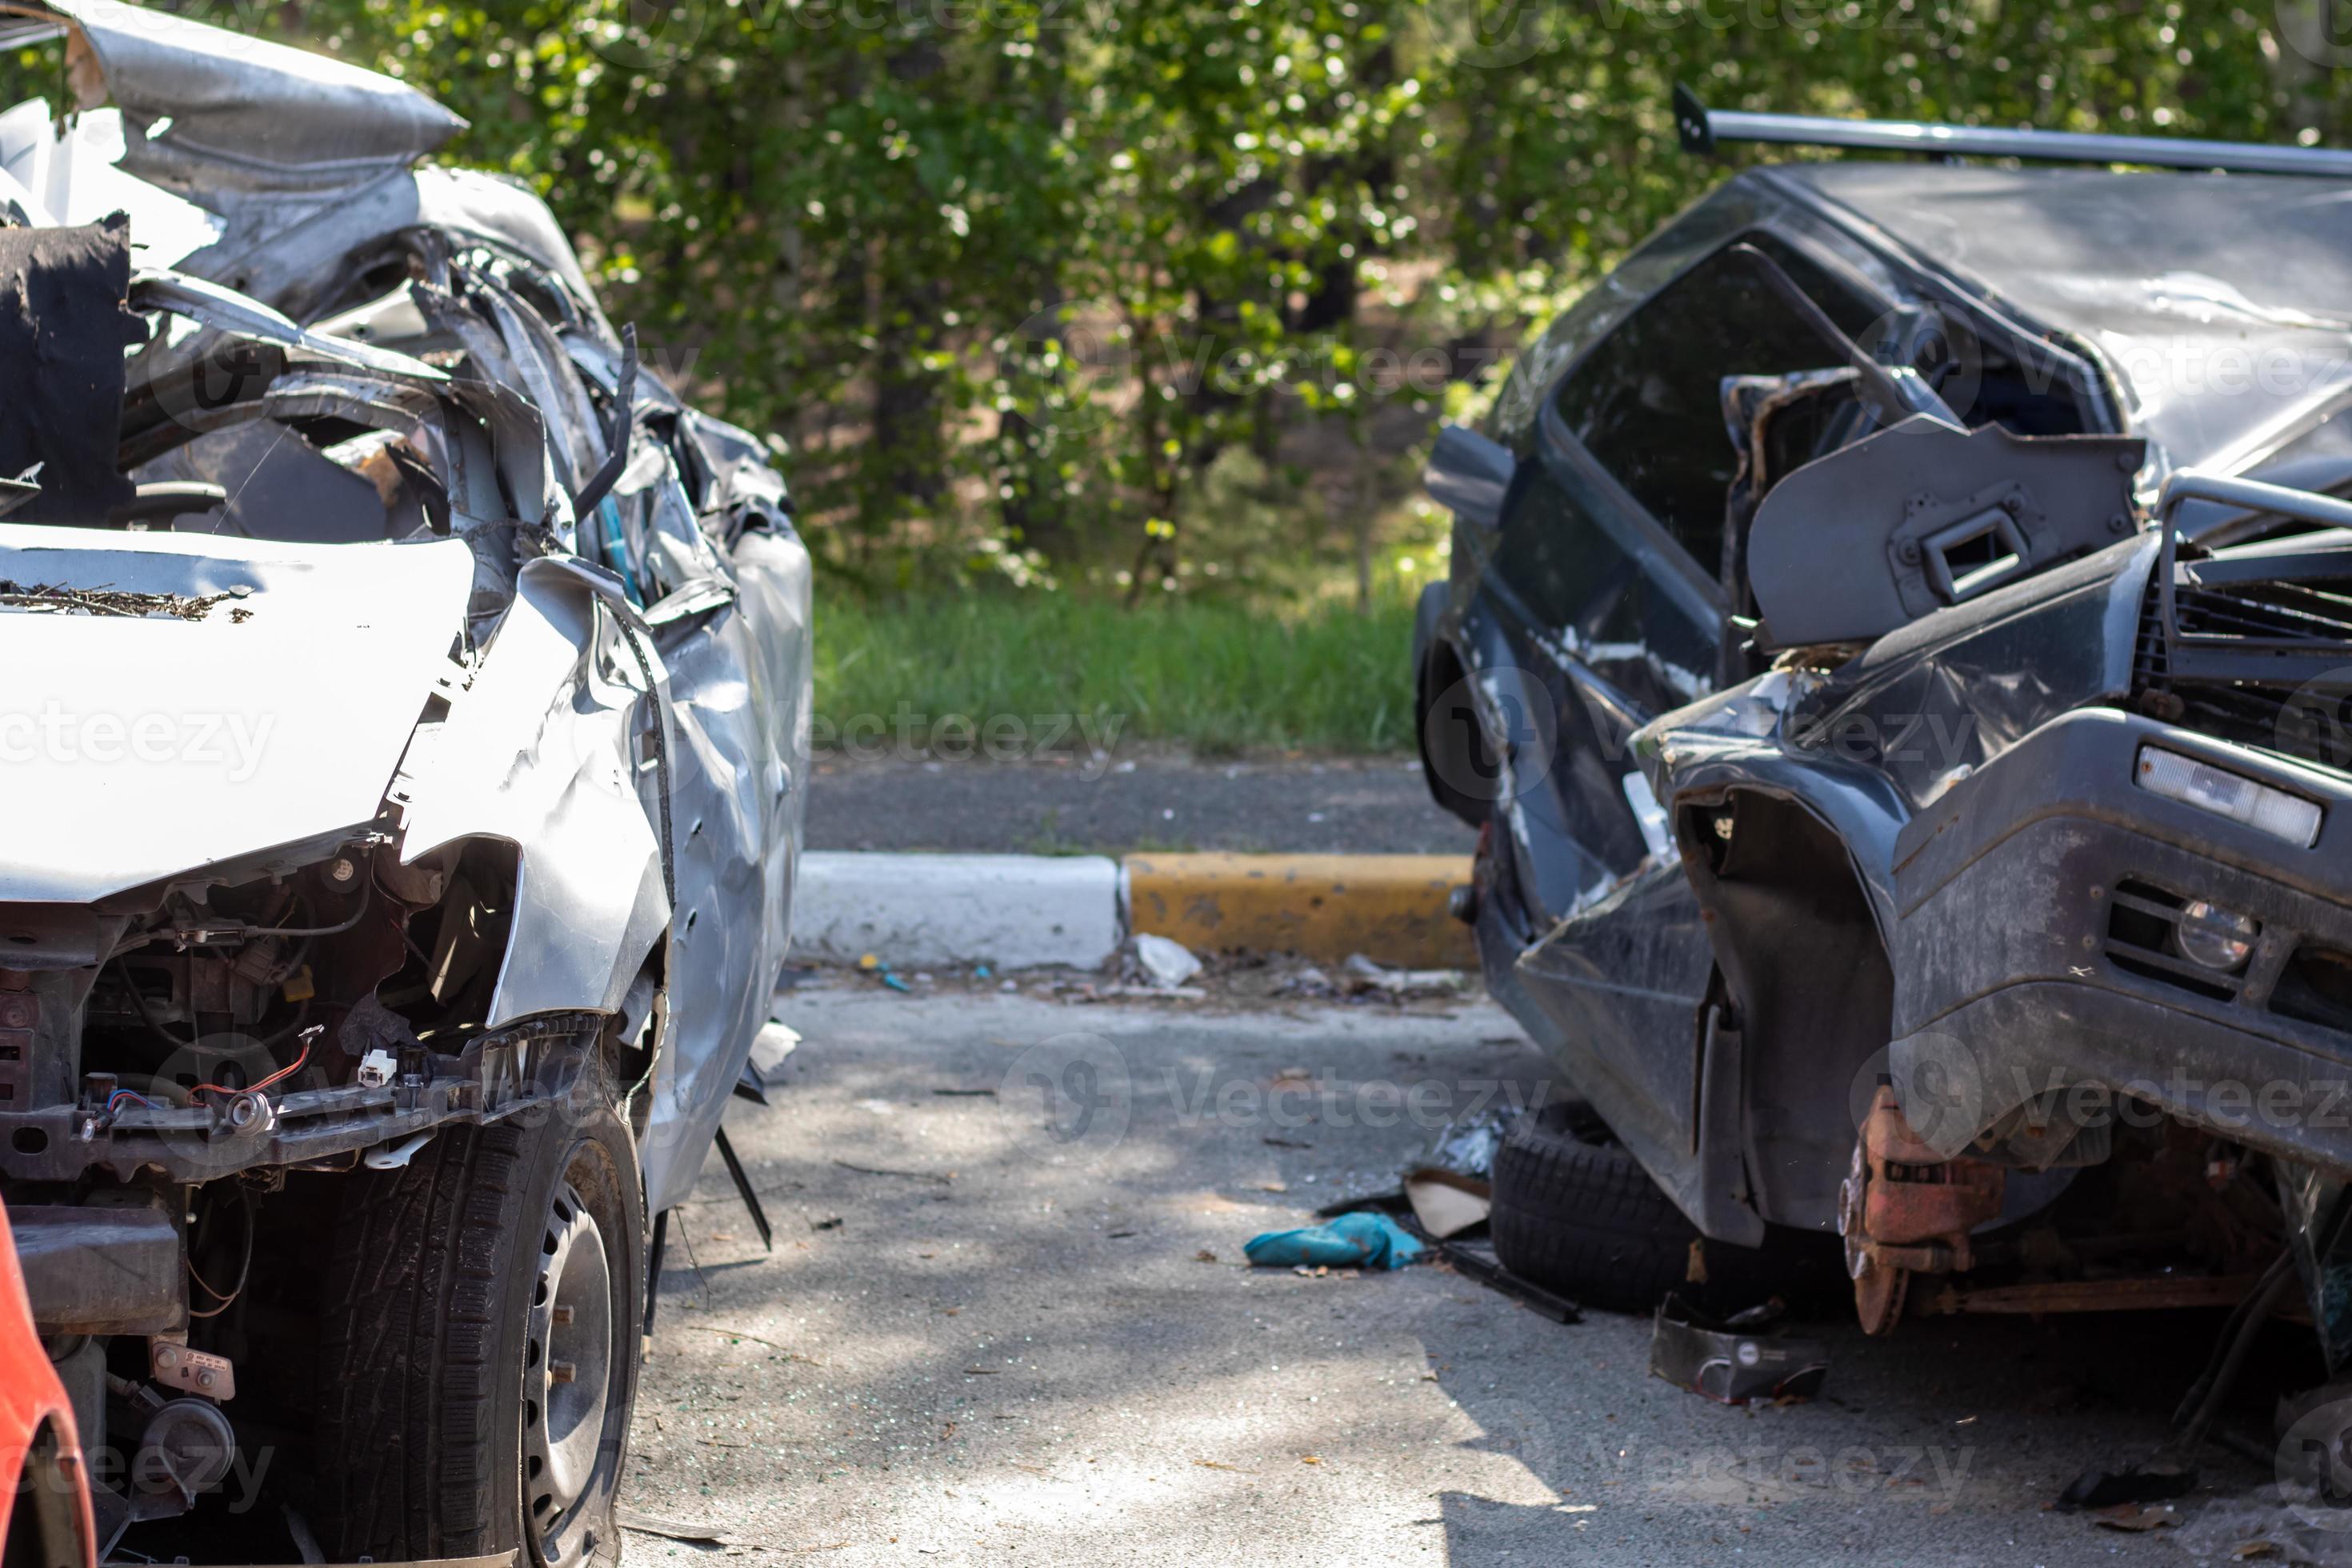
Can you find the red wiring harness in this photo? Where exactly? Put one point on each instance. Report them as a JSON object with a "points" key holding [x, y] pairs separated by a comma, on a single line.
{"points": [[278, 1077]]}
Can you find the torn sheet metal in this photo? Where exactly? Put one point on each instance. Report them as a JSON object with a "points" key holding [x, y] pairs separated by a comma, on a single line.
{"points": [[740, 761], [227, 310], [538, 750], [208, 109]]}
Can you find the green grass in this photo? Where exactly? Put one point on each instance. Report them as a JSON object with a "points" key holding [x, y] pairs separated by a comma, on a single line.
{"points": [[1220, 677]]}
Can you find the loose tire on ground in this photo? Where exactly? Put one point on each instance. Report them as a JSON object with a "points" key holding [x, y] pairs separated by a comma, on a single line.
{"points": [[1576, 1214], [443, 1344]]}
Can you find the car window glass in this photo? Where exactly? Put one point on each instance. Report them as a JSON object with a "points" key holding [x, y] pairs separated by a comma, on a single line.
{"points": [[1647, 401]]}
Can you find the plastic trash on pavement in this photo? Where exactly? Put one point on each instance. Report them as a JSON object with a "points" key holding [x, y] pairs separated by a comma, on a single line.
{"points": [[1360, 1240], [1167, 963]]}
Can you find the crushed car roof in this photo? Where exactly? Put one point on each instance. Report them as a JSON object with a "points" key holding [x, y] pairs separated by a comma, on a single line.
{"points": [[2219, 300], [211, 108]]}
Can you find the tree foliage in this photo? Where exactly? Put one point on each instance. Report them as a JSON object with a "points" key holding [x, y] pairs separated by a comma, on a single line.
{"points": [[1027, 284]]}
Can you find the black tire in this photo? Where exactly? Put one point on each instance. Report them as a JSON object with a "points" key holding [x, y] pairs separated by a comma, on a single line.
{"points": [[1576, 1214], [440, 1428]]}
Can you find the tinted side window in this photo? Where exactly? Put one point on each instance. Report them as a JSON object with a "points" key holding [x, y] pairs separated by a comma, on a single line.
{"points": [[1646, 401]]}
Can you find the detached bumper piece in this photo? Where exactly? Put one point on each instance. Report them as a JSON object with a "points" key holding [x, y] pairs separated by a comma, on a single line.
{"points": [[1743, 1358]]}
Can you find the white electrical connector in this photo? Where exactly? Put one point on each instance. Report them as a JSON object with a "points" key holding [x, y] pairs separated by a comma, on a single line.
{"points": [[377, 1068]]}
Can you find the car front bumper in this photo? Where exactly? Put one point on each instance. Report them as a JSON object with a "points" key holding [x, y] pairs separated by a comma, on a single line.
{"points": [[2034, 957]]}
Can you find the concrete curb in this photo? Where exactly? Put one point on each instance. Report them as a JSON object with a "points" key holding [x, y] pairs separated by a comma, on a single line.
{"points": [[1023, 911], [1390, 907]]}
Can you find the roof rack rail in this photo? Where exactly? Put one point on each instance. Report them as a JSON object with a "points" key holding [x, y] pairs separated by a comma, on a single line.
{"points": [[1703, 130]]}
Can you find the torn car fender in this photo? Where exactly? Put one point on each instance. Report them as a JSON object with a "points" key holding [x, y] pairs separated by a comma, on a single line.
{"points": [[739, 761], [540, 752], [1736, 740]]}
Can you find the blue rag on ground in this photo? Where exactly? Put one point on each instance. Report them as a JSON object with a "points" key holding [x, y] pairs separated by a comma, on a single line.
{"points": [[1360, 1240]]}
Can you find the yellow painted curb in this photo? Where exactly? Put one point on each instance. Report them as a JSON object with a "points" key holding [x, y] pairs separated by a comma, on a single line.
{"points": [[1390, 908]]}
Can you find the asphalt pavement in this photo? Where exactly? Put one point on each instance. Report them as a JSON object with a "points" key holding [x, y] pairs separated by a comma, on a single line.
{"points": [[1136, 799], [1006, 1320]]}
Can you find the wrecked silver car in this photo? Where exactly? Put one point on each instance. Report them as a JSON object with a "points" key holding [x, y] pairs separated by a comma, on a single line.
{"points": [[401, 746], [1896, 655]]}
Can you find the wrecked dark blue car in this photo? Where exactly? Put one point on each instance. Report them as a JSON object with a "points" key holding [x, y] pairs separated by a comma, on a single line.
{"points": [[1897, 654]]}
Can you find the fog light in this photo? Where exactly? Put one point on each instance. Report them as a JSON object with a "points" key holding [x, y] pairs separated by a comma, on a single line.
{"points": [[2215, 937], [2241, 799]]}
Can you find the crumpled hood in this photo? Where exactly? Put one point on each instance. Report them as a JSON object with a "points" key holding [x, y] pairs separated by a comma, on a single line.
{"points": [[264, 696]]}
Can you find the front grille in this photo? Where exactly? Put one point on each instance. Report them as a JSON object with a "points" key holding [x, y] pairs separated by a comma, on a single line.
{"points": [[2231, 629], [2316, 610], [2143, 923]]}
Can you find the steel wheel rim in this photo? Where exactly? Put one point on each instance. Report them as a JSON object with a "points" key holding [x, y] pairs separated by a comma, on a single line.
{"points": [[568, 1374]]}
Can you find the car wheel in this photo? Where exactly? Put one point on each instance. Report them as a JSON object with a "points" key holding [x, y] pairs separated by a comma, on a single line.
{"points": [[478, 1346], [1576, 1214]]}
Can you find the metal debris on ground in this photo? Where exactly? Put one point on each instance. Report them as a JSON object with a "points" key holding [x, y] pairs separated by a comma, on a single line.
{"points": [[1736, 1360], [1361, 976], [2285, 1522], [2098, 1489], [1467, 1145], [692, 1534]]}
